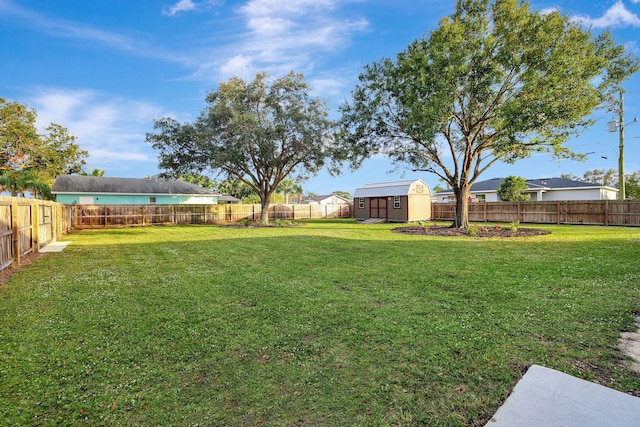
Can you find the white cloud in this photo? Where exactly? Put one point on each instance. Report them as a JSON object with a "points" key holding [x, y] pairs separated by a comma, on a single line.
{"points": [[238, 66], [616, 16], [112, 129], [632, 46], [282, 36], [181, 6], [187, 6], [62, 28], [549, 10]]}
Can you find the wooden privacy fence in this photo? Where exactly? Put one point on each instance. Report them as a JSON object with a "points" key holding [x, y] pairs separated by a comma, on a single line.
{"points": [[593, 212], [26, 225], [100, 216]]}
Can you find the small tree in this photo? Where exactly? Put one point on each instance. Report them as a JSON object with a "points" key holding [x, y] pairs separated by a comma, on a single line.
{"points": [[196, 179], [633, 185], [289, 186], [344, 194], [512, 189], [258, 132]]}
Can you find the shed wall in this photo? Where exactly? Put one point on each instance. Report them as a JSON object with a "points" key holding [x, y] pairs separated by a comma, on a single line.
{"points": [[414, 207], [420, 207]]}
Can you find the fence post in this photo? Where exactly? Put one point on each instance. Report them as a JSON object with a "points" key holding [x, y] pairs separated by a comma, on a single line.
{"points": [[56, 215], [35, 226], [15, 231], [606, 212]]}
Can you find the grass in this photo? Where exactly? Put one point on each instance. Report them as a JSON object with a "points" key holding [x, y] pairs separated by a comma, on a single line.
{"points": [[330, 323]]}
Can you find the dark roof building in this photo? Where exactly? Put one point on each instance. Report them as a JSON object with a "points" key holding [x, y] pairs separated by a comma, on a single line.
{"points": [[331, 199], [539, 190], [70, 189]]}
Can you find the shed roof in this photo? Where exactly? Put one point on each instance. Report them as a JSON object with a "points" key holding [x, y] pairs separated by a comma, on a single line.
{"points": [[383, 189], [73, 184]]}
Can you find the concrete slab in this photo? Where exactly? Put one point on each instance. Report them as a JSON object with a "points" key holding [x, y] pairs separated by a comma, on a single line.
{"points": [[545, 397], [374, 221], [54, 247]]}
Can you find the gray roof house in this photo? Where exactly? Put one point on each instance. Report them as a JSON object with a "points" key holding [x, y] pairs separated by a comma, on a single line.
{"points": [[331, 199], [545, 189], [98, 190]]}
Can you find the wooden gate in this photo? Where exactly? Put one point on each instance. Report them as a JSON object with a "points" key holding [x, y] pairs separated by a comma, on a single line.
{"points": [[45, 225], [378, 207]]}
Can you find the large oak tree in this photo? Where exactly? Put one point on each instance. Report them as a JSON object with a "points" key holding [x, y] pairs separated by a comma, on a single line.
{"points": [[495, 81], [258, 132]]}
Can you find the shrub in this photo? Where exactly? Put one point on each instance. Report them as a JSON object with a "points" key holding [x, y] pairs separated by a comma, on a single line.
{"points": [[473, 230]]}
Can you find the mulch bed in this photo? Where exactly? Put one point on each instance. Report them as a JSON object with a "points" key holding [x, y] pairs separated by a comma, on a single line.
{"points": [[480, 231]]}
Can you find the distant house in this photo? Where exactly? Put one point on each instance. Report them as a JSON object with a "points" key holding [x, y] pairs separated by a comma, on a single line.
{"points": [[227, 199], [331, 199], [547, 189], [98, 190], [398, 201]]}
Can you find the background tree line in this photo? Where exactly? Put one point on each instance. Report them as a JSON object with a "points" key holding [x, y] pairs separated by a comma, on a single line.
{"points": [[30, 160], [609, 177]]}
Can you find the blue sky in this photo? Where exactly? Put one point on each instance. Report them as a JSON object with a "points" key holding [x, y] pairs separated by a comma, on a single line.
{"points": [[105, 69]]}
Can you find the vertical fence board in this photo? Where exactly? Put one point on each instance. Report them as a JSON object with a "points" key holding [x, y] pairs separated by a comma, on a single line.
{"points": [[6, 235]]}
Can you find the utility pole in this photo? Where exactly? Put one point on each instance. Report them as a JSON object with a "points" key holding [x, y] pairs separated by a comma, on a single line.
{"points": [[621, 157], [619, 126]]}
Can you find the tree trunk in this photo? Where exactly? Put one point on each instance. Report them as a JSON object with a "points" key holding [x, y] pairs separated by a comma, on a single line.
{"points": [[264, 213], [462, 208]]}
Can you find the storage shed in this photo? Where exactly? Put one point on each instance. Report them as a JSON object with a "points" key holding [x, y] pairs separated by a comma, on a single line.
{"points": [[398, 201]]}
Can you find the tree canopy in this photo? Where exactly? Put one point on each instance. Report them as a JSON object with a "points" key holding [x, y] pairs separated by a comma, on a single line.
{"points": [[495, 81], [607, 177], [258, 132], [22, 148], [18, 182]]}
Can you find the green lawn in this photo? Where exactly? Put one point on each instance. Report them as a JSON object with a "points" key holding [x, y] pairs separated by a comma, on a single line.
{"points": [[329, 323]]}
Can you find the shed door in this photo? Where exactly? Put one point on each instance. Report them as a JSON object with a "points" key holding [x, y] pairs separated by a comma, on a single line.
{"points": [[378, 208]]}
